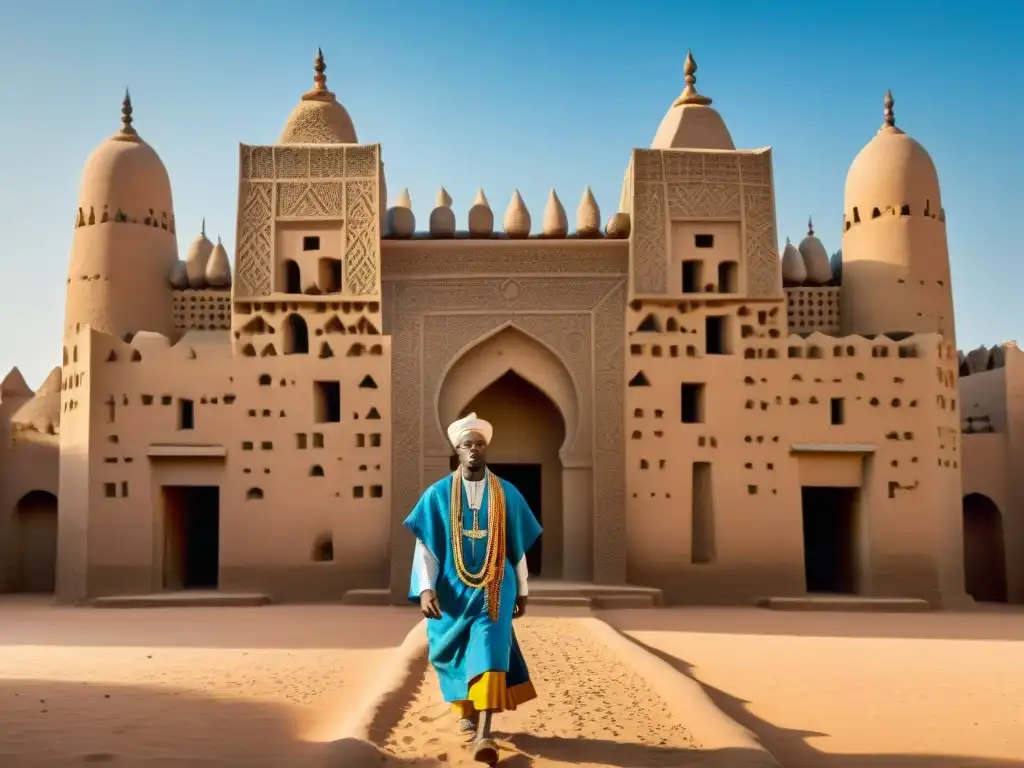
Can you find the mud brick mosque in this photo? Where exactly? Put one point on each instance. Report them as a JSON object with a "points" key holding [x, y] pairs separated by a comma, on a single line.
{"points": [[685, 408]]}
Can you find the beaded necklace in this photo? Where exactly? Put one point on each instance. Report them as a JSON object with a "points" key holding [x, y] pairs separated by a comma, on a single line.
{"points": [[492, 571]]}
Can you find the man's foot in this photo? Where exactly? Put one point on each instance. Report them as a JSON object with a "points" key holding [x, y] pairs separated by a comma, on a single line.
{"points": [[467, 726], [485, 751]]}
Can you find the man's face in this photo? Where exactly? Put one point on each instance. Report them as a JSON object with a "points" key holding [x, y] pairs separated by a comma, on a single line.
{"points": [[472, 451]]}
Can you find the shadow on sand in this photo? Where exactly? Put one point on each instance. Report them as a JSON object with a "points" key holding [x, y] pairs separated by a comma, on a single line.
{"points": [[792, 744], [986, 622], [32, 620], [48, 724]]}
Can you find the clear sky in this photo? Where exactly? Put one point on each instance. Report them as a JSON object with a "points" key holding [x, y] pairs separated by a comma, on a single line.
{"points": [[530, 95]]}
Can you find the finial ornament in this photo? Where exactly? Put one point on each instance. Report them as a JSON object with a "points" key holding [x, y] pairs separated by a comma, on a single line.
{"points": [[202, 228], [689, 94], [810, 227], [319, 91], [126, 114], [889, 115], [319, 67]]}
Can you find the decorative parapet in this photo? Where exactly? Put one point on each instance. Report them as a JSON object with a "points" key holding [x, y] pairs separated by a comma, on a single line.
{"points": [[516, 224]]}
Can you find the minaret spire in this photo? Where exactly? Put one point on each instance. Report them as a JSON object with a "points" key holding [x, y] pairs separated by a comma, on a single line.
{"points": [[202, 228], [689, 94], [126, 114], [810, 227], [889, 117]]}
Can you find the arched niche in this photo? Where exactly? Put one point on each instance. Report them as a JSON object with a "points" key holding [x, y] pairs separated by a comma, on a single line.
{"points": [[525, 390], [984, 549], [487, 359]]}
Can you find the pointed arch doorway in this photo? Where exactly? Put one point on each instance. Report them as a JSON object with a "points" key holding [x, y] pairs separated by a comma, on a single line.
{"points": [[522, 388]]}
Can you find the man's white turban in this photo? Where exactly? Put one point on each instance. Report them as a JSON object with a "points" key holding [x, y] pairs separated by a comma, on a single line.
{"points": [[458, 429]]}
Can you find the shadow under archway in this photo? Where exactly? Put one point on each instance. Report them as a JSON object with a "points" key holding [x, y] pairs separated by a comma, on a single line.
{"points": [[984, 550], [528, 432], [36, 517]]}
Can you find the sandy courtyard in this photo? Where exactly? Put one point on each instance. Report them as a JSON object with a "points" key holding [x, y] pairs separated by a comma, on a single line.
{"points": [[223, 687], [834, 690], [181, 687]]}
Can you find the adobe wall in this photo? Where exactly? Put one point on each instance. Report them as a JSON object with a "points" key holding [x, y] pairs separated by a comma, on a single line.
{"points": [[771, 394], [287, 477], [442, 299]]}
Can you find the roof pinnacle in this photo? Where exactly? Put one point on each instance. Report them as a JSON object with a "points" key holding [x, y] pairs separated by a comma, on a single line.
{"points": [[319, 67], [889, 117], [126, 114], [319, 91], [810, 227], [689, 94], [202, 228]]}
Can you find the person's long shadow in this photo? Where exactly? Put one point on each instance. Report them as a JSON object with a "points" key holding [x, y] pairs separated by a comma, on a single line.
{"points": [[793, 743]]}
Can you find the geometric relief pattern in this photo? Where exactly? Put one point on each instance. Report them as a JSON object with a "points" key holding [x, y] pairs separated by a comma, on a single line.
{"points": [[316, 183], [434, 320], [362, 249], [764, 276], [735, 186], [324, 199], [255, 239], [649, 242], [700, 200]]}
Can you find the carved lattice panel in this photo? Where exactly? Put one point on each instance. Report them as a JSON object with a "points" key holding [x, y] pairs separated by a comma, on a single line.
{"points": [[255, 239], [649, 241], [362, 249]]}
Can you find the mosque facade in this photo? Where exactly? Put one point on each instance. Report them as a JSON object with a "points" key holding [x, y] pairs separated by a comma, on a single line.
{"points": [[684, 408]]}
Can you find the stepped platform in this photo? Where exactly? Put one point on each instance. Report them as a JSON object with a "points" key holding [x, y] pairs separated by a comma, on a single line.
{"points": [[845, 603], [188, 598], [543, 592]]}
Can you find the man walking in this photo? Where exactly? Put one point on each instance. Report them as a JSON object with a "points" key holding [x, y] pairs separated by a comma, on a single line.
{"points": [[469, 576]]}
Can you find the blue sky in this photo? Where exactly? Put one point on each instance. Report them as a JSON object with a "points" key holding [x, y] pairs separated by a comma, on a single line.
{"points": [[528, 95]]}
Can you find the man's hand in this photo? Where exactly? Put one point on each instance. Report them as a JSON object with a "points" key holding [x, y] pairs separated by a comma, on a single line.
{"points": [[520, 610], [429, 605]]}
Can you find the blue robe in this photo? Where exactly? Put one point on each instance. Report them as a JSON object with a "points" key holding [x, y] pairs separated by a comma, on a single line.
{"points": [[464, 642]]}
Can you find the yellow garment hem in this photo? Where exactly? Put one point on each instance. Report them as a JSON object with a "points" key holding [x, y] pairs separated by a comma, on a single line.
{"points": [[488, 693]]}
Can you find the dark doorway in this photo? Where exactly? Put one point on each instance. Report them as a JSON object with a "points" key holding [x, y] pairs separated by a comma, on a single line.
{"points": [[830, 550], [527, 480], [36, 516], [984, 550], [192, 537]]}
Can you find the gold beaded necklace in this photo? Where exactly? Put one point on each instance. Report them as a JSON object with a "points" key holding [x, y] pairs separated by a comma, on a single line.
{"points": [[492, 571]]}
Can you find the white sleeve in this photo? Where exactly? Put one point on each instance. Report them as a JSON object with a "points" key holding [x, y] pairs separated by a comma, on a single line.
{"points": [[425, 565], [522, 577]]}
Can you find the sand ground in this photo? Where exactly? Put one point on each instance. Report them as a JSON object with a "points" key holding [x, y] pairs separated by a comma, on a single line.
{"points": [[591, 711], [835, 690], [181, 687], [249, 687]]}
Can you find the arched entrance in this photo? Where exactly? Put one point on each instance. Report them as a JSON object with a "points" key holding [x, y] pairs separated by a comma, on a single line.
{"points": [[984, 551], [36, 516], [524, 390]]}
